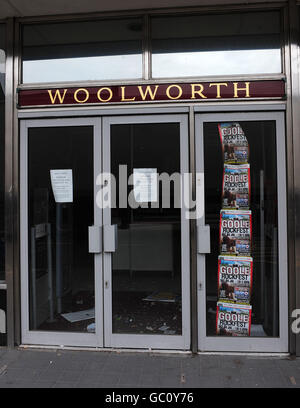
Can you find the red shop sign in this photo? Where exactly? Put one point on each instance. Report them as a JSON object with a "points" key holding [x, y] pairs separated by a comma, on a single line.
{"points": [[193, 92]]}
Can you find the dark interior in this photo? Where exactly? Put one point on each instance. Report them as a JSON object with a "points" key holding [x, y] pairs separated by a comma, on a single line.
{"points": [[146, 275], [147, 264], [261, 137], [61, 148]]}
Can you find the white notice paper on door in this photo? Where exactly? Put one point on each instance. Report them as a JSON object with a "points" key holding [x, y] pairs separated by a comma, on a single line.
{"points": [[62, 185], [145, 185]]}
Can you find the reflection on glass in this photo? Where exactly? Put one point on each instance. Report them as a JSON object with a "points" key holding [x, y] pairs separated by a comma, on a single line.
{"points": [[216, 63], [222, 44], [61, 271], [2, 150], [261, 138], [3, 310], [79, 51], [147, 264]]}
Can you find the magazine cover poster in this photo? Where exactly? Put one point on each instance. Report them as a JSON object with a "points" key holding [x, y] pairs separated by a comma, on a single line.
{"points": [[233, 319], [235, 232], [236, 186], [234, 143], [235, 279]]}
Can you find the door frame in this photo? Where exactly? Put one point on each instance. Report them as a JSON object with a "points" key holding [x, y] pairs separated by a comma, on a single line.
{"points": [[181, 342], [249, 344], [38, 337]]}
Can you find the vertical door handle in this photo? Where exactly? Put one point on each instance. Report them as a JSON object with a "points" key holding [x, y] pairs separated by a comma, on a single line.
{"points": [[203, 239], [95, 239], [110, 238]]}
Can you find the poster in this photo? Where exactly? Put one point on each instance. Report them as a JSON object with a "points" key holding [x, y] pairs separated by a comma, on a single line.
{"points": [[145, 185], [235, 279], [62, 185], [235, 232], [235, 264], [236, 186], [233, 320], [234, 143]]}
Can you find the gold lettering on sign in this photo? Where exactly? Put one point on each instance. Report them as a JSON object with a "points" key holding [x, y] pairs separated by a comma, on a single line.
{"points": [[57, 95], [99, 94], [198, 91], [147, 91], [86, 95], [123, 95], [218, 86], [236, 89], [174, 86]]}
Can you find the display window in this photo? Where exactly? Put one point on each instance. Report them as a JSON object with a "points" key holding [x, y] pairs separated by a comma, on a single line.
{"points": [[242, 160]]}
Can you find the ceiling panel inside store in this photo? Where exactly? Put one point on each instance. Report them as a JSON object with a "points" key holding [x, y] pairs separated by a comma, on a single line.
{"points": [[24, 8]]}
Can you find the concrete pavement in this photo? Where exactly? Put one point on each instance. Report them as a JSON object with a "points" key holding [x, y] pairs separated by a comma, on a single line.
{"points": [[40, 368]]}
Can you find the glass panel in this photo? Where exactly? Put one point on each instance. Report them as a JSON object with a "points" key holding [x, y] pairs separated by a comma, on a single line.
{"points": [[3, 337], [218, 44], [2, 149], [81, 51], [241, 179], [58, 228], [146, 297]]}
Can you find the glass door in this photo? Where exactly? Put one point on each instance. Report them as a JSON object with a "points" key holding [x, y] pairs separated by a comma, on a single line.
{"points": [[61, 265], [242, 274], [146, 233]]}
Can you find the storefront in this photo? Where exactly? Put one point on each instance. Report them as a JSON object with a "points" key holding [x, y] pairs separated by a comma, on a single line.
{"points": [[149, 179]]}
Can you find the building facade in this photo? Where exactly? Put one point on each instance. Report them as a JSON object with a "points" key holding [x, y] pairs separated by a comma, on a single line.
{"points": [[150, 181]]}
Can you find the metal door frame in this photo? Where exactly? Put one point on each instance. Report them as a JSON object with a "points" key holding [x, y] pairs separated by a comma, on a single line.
{"points": [[38, 337], [141, 340], [249, 344]]}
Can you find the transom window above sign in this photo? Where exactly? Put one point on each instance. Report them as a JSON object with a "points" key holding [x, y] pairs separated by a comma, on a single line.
{"points": [[217, 44], [177, 46], [83, 51]]}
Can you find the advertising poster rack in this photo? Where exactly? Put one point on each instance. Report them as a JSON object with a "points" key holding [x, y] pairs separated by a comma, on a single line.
{"points": [[235, 264]]}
